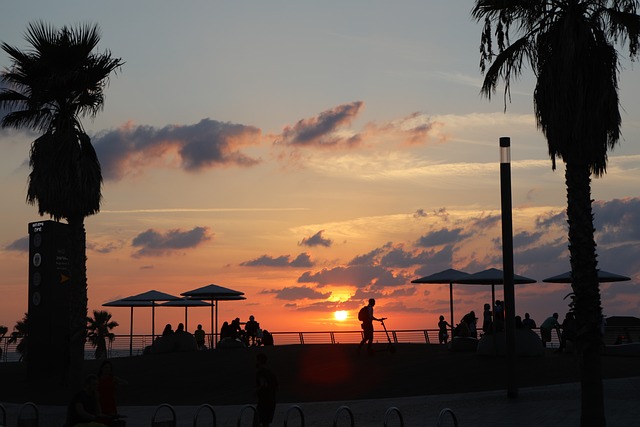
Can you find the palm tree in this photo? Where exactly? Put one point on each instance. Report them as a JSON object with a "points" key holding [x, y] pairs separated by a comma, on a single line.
{"points": [[3, 332], [570, 45], [99, 331], [20, 335], [50, 86]]}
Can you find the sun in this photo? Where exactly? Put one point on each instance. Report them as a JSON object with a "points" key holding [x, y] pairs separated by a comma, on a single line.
{"points": [[340, 315]]}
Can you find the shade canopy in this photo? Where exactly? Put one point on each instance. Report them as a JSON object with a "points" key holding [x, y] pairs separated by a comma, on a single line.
{"points": [[151, 296], [131, 305], [603, 276], [492, 276], [214, 293], [186, 303], [449, 276]]}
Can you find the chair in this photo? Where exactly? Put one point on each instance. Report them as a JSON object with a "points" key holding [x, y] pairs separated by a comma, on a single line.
{"points": [[443, 413], [3, 420], [291, 409], [29, 415], [166, 422], [200, 408], [348, 411]]}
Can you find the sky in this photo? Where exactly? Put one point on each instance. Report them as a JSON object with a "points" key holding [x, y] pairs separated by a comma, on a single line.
{"points": [[313, 155]]}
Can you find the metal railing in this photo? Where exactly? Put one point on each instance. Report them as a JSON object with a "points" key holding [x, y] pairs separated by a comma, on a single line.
{"points": [[125, 345]]}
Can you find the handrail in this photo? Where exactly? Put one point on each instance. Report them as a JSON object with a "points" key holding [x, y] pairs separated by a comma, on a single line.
{"points": [[119, 347], [289, 410], [390, 411], [343, 409]]}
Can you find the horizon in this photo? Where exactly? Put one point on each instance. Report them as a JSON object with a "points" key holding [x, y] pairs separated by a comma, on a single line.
{"points": [[313, 156]]}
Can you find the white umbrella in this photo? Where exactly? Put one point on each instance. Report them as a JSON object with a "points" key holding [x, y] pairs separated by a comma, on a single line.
{"points": [[151, 296], [186, 303], [449, 276], [492, 276], [130, 304], [603, 276], [214, 293]]}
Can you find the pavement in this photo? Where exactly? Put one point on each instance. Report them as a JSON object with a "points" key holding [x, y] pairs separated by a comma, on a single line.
{"points": [[548, 406]]}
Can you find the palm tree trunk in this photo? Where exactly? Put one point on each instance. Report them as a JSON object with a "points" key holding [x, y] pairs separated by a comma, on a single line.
{"points": [[587, 304], [77, 302]]}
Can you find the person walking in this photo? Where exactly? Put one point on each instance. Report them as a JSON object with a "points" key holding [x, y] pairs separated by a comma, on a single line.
{"points": [[365, 315], [266, 389]]}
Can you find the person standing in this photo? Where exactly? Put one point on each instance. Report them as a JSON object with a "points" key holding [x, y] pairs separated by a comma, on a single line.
{"points": [[366, 317], [251, 329], [546, 327], [528, 322], [199, 335], [443, 333], [266, 389]]}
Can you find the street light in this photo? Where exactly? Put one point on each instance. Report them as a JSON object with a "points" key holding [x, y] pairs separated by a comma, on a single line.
{"points": [[507, 263]]}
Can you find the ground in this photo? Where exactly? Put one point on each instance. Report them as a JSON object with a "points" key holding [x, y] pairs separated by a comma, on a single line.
{"points": [[306, 373]]}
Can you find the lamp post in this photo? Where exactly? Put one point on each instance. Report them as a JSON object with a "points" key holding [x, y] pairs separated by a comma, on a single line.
{"points": [[507, 263]]}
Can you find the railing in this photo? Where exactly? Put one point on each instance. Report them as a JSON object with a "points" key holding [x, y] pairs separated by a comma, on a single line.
{"points": [[125, 345]]}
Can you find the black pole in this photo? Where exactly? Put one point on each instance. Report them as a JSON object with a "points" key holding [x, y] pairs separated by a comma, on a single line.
{"points": [[507, 264]]}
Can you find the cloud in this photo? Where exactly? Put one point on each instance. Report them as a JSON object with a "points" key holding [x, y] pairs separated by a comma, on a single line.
{"points": [[316, 240], [323, 130], [154, 243], [19, 245], [292, 293], [204, 145], [442, 237], [303, 260], [359, 276], [617, 220]]}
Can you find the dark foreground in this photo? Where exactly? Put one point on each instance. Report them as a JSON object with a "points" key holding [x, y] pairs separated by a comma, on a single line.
{"points": [[308, 373]]}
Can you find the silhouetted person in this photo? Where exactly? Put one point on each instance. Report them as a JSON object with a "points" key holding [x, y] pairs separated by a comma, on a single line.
{"points": [[367, 325], [546, 327], [498, 316], [266, 389], [267, 338], [569, 331], [168, 330], [84, 409], [106, 389], [470, 321], [528, 322], [487, 319], [251, 328], [443, 332], [199, 335], [519, 324]]}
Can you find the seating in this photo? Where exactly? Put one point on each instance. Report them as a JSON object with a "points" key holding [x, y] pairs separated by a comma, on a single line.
{"points": [[528, 343], [3, 418], [164, 422], [29, 415], [200, 408]]}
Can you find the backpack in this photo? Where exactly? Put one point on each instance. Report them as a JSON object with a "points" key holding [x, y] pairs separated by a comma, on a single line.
{"points": [[363, 314]]}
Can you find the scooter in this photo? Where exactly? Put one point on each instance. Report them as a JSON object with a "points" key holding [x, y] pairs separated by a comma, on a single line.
{"points": [[392, 348]]}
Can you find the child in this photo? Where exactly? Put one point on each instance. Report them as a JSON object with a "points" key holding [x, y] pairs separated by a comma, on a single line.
{"points": [[443, 335]]}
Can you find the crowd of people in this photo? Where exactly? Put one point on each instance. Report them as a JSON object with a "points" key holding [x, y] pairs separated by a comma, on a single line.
{"points": [[248, 334], [493, 321]]}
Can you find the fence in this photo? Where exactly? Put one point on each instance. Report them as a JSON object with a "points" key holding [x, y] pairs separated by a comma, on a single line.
{"points": [[125, 345]]}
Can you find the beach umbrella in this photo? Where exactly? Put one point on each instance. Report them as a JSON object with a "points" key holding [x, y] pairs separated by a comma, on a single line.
{"points": [[603, 276], [214, 293], [445, 276], [186, 303], [152, 297], [131, 305], [492, 276]]}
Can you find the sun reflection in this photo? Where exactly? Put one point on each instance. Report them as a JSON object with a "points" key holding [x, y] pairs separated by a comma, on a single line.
{"points": [[340, 315]]}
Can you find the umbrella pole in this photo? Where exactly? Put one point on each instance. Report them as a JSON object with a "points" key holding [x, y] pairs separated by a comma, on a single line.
{"points": [[131, 334], [185, 319], [451, 305], [211, 342], [216, 330], [153, 321]]}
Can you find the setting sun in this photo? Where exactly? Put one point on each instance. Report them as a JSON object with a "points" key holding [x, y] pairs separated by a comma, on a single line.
{"points": [[340, 315]]}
